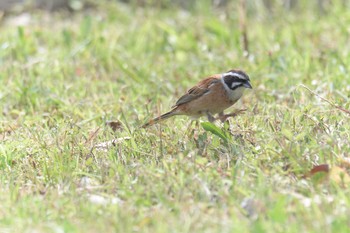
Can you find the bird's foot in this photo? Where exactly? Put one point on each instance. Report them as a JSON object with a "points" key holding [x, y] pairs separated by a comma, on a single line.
{"points": [[223, 117]]}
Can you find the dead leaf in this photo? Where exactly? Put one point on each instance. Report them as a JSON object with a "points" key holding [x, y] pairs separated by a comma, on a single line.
{"points": [[114, 125], [319, 168], [318, 173]]}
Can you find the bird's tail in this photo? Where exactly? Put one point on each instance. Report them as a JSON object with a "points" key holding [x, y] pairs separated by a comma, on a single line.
{"points": [[160, 118]]}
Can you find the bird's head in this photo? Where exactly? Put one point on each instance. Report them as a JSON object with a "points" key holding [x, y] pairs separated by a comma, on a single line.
{"points": [[235, 79]]}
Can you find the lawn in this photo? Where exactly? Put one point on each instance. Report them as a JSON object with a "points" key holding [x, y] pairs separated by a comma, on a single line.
{"points": [[282, 166]]}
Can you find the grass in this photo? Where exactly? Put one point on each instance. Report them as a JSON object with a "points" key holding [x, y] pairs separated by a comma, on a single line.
{"points": [[63, 76]]}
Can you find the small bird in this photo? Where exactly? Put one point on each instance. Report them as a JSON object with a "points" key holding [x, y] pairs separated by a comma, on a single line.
{"points": [[210, 96]]}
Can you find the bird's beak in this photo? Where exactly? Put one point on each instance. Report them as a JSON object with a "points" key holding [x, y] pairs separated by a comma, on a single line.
{"points": [[247, 85]]}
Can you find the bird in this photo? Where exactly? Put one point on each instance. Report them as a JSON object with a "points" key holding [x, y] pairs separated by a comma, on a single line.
{"points": [[210, 96]]}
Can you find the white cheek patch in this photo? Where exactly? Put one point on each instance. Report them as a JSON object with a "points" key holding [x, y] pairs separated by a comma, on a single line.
{"points": [[235, 84]]}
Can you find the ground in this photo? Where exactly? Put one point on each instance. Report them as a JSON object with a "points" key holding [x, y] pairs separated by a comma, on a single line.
{"points": [[67, 77]]}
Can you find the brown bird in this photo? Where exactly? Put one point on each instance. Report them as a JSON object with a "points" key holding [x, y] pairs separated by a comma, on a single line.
{"points": [[210, 96]]}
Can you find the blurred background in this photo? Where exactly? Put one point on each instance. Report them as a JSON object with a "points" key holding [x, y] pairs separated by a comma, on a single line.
{"points": [[282, 43], [7, 5]]}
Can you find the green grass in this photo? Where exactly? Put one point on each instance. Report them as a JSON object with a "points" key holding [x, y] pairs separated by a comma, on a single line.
{"points": [[64, 75]]}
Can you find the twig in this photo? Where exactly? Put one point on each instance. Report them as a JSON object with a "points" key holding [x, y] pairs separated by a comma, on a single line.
{"points": [[324, 99], [243, 25]]}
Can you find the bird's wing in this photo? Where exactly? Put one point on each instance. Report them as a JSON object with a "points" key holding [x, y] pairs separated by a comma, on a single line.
{"points": [[197, 91]]}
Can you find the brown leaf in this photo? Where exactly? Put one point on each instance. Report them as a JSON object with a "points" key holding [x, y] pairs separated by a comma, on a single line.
{"points": [[115, 125], [319, 168]]}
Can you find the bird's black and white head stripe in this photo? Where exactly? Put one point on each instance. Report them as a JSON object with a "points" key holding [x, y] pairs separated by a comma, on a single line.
{"points": [[235, 79]]}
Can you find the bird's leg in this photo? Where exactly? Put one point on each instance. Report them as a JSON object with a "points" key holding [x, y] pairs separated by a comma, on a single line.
{"points": [[210, 117], [222, 117], [236, 113]]}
